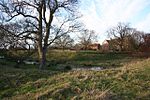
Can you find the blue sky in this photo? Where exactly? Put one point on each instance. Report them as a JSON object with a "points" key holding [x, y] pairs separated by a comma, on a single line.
{"points": [[100, 15]]}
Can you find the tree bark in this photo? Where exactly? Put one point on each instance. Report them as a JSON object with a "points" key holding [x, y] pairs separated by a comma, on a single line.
{"points": [[42, 57], [41, 49]]}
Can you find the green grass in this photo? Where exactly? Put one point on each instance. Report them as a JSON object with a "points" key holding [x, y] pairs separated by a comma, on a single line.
{"points": [[129, 81], [57, 58], [89, 58]]}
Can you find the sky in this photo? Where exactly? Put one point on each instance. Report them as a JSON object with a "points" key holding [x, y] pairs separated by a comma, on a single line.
{"points": [[101, 15]]}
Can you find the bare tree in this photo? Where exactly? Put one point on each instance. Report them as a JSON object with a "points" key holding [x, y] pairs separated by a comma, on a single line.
{"points": [[145, 44], [14, 47], [64, 42], [136, 39], [86, 38], [119, 34], [127, 38], [3, 36], [8, 37], [39, 17]]}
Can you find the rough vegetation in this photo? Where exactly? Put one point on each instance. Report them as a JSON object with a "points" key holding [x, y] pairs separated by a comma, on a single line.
{"points": [[130, 82]]}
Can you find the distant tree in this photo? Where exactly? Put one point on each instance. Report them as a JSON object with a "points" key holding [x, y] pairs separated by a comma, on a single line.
{"points": [[77, 46], [39, 19], [136, 39], [118, 34], [146, 38], [3, 38], [9, 38], [86, 38], [127, 38], [14, 47], [145, 44], [64, 42]]}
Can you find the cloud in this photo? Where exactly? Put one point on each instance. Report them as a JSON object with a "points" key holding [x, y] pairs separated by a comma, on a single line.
{"points": [[144, 25], [100, 15]]}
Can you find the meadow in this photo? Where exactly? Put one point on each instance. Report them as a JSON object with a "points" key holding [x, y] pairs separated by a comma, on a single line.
{"points": [[123, 78], [89, 59]]}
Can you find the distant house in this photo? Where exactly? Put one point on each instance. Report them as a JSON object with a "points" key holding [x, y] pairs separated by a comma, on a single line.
{"points": [[95, 46], [105, 45]]}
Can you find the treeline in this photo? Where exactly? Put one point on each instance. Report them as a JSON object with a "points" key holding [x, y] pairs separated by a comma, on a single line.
{"points": [[124, 38]]}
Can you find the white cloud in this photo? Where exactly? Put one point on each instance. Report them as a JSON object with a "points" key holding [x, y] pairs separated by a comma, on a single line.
{"points": [[144, 25], [100, 15]]}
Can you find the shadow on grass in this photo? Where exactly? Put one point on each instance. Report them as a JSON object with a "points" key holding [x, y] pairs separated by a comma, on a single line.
{"points": [[12, 78]]}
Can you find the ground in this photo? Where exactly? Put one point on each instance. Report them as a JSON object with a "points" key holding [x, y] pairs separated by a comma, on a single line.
{"points": [[127, 78]]}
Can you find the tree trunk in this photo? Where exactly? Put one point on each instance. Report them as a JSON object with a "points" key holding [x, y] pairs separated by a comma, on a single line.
{"points": [[42, 58], [41, 49]]}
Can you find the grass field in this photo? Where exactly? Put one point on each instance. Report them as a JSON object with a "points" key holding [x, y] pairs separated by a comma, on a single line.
{"points": [[90, 59], [129, 80]]}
